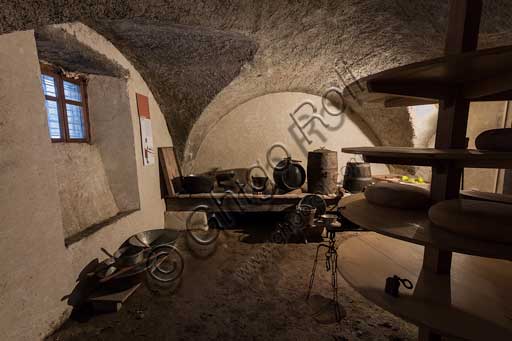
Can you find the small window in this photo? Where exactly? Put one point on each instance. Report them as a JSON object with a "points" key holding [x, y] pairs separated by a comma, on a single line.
{"points": [[66, 106]]}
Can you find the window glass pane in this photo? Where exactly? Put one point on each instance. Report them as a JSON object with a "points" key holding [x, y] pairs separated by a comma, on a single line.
{"points": [[72, 91], [53, 119], [75, 121], [48, 83]]}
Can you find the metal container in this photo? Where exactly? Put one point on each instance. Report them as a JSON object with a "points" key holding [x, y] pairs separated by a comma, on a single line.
{"points": [[194, 184], [259, 183], [322, 171], [328, 219], [357, 176], [289, 175], [152, 238], [308, 214]]}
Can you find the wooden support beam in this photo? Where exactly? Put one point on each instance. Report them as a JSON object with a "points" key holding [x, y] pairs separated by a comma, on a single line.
{"points": [[488, 87], [414, 90], [437, 261], [463, 26], [405, 102], [425, 334], [452, 123], [462, 36]]}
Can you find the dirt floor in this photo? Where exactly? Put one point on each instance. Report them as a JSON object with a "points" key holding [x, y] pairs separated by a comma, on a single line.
{"points": [[243, 287]]}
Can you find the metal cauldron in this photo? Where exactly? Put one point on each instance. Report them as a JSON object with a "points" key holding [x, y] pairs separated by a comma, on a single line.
{"points": [[289, 175], [195, 184]]}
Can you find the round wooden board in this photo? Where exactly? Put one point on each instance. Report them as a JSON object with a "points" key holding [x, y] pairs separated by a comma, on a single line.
{"points": [[486, 196], [475, 303], [475, 67], [431, 157], [415, 227]]}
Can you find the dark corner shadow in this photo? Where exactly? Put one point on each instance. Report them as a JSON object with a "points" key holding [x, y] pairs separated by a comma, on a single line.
{"points": [[269, 228], [85, 284]]}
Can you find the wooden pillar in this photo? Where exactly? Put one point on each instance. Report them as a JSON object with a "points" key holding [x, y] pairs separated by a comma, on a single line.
{"points": [[462, 36]]}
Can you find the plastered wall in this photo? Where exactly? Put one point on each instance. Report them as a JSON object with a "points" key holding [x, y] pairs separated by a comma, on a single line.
{"points": [[36, 267], [482, 116], [37, 270], [84, 190], [152, 207], [113, 134], [244, 135]]}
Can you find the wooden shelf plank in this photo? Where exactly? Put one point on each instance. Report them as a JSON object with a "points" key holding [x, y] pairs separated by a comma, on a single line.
{"points": [[486, 196], [432, 157], [473, 303], [241, 202], [482, 75], [414, 226]]}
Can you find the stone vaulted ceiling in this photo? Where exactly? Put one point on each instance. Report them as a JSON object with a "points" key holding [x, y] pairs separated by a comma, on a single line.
{"points": [[205, 57]]}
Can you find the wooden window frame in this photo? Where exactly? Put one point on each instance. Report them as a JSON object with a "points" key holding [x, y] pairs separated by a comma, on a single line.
{"points": [[62, 101]]}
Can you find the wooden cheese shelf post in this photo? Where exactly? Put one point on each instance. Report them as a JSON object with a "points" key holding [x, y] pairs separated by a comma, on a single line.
{"points": [[462, 75], [462, 36]]}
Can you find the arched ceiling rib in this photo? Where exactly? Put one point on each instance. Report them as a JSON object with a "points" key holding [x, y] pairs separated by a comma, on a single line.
{"points": [[301, 46]]}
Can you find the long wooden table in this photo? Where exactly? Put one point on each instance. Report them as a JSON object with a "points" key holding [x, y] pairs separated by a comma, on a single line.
{"points": [[240, 202]]}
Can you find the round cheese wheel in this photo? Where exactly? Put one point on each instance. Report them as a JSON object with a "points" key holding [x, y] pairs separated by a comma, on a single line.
{"points": [[397, 195], [495, 139], [477, 219]]}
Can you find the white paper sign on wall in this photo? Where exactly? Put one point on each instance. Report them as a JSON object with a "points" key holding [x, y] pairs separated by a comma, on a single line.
{"points": [[146, 132]]}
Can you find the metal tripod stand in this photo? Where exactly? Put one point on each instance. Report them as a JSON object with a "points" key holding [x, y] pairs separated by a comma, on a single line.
{"points": [[331, 265]]}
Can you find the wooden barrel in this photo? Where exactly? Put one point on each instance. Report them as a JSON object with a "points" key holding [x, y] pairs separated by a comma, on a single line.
{"points": [[322, 171], [357, 176]]}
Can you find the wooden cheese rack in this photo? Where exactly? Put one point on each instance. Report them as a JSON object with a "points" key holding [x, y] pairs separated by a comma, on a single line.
{"points": [[461, 76], [415, 227], [472, 304]]}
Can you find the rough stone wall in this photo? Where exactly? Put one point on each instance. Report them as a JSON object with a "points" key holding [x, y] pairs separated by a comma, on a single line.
{"points": [[186, 66], [482, 116], [60, 48], [299, 45], [244, 136]]}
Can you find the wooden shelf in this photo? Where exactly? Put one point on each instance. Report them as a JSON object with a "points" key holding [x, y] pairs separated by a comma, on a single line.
{"points": [[414, 226], [483, 75], [240, 202], [474, 303], [434, 157], [486, 196]]}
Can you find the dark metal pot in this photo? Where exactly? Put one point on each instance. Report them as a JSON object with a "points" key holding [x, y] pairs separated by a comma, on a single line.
{"points": [[259, 183], [222, 177], [125, 256], [194, 184], [307, 213], [289, 175], [129, 255], [227, 182]]}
